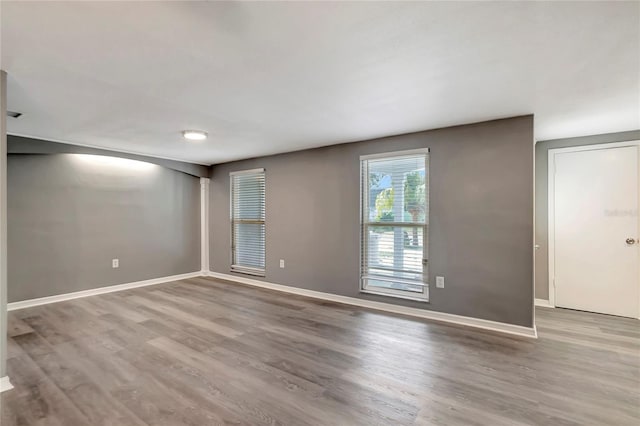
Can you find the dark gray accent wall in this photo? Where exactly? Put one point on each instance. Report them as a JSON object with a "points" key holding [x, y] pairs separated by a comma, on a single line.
{"points": [[542, 200], [69, 215], [481, 218], [23, 145]]}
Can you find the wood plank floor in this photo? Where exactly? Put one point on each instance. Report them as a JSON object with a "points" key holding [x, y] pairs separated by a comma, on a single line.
{"points": [[205, 352]]}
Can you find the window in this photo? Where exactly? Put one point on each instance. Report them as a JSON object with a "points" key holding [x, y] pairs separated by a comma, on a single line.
{"points": [[247, 222], [394, 224]]}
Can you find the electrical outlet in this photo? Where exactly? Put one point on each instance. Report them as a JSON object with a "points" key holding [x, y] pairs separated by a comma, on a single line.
{"points": [[439, 282], [115, 263], [282, 263]]}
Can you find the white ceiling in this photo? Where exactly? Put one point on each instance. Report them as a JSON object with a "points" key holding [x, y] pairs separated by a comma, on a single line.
{"points": [[265, 78]]}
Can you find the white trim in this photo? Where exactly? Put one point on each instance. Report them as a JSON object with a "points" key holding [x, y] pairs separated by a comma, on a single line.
{"points": [[543, 303], [365, 223], [122, 151], [204, 224], [551, 171], [551, 156], [401, 294], [595, 147], [408, 152], [247, 172], [101, 290], [3, 230], [533, 233], [5, 384], [516, 330], [259, 272]]}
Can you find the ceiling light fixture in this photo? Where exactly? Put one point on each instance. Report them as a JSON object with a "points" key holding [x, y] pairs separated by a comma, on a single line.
{"points": [[194, 135], [13, 114]]}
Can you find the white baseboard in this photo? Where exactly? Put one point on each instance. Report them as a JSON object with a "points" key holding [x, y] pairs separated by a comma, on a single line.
{"points": [[501, 327], [5, 384], [101, 290], [543, 303], [517, 330]]}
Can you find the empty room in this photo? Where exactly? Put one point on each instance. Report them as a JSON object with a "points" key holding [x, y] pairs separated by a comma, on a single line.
{"points": [[319, 213]]}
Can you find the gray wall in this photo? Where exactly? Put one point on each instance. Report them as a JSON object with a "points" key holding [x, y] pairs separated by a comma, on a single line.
{"points": [[481, 217], [69, 215], [23, 145], [541, 200]]}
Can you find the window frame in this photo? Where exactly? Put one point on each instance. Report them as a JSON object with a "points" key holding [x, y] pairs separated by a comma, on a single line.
{"points": [[258, 272], [365, 223]]}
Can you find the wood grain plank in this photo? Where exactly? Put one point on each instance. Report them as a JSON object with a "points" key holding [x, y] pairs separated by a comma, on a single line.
{"points": [[207, 352]]}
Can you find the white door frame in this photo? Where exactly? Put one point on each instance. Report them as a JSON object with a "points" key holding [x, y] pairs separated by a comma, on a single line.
{"points": [[551, 201]]}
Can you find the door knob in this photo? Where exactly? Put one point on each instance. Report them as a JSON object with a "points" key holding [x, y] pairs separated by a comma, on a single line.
{"points": [[630, 241]]}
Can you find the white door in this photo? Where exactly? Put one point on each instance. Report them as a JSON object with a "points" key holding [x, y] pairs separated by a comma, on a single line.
{"points": [[595, 228]]}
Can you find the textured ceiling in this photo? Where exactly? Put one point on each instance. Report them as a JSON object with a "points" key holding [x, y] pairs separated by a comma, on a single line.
{"points": [[265, 78]]}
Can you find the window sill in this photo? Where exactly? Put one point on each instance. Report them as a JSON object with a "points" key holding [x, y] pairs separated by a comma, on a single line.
{"points": [[397, 296], [246, 272]]}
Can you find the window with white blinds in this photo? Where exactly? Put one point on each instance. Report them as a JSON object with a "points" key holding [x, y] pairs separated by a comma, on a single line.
{"points": [[394, 224], [247, 222]]}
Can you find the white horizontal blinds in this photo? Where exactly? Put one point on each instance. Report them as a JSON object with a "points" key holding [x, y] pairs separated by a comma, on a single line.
{"points": [[395, 213], [247, 222]]}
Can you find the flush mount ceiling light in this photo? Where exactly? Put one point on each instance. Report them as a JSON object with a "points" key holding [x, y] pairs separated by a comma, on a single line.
{"points": [[194, 135], [13, 114]]}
